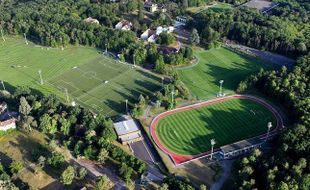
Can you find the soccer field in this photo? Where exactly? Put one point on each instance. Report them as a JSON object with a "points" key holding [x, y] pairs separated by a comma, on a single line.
{"points": [[91, 79], [188, 132], [215, 65]]}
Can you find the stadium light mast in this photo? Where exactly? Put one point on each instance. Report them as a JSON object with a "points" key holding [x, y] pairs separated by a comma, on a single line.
{"points": [[62, 43], [126, 101], [67, 95], [134, 59], [162, 81], [269, 125], [2, 35], [172, 94], [3, 85], [106, 47], [26, 41], [41, 79], [212, 141], [221, 87]]}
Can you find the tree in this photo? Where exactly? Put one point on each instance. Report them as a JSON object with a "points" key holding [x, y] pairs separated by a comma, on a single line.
{"points": [[202, 187], [160, 65], [141, 100], [16, 166], [102, 156], [185, 3], [140, 10], [164, 186], [82, 172], [24, 107], [194, 39], [104, 183], [68, 175], [125, 171], [130, 185], [56, 160], [65, 127]]}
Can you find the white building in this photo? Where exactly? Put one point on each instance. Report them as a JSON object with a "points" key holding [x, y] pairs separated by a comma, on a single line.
{"points": [[239, 148], [91, 20], [150, 7], [127, 131], [123, 25], [161, 29], [149, 36], [8, 124]]}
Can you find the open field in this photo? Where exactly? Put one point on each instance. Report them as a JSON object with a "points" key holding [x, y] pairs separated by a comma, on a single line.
{"points": [[215, 65], [91, 79], [187, 131]]}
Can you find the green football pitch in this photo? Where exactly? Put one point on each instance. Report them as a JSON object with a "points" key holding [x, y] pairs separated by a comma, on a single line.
{"points": [[92, 80], [215, 65], [189, 132]]}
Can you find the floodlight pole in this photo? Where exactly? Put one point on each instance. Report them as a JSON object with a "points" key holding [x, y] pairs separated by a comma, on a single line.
{"points": [[134, 60], [25, 38], [221, 87], [62, 43], [126, 101], [106, 48], [172, 93], [41, 79], [67, 95], [3, 85], [162, 81], [2, 35], [269, 125], [212, 146]]}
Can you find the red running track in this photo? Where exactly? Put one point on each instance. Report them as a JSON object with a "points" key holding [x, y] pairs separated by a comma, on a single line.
{"points": [[180, 159]]}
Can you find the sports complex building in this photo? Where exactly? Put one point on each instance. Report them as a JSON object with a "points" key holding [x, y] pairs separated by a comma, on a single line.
{"points": [[127, 131], [239, 148]]}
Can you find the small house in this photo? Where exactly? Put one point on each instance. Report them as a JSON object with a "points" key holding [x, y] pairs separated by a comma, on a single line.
{"points": [[124, 25], [150, 6]]}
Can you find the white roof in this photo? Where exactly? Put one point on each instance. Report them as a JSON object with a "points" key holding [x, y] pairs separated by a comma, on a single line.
{"points": [[125, 127]]}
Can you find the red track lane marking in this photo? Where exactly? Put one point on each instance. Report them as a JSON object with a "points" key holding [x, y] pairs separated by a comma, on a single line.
{"points": [[178, 158]]}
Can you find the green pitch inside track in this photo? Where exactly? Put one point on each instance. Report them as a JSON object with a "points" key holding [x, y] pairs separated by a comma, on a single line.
{"points": [[219, 64], [189, 132], [20, 63]]}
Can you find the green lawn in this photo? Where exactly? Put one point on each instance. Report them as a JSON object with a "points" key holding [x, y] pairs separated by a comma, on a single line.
{"points": [[215, 65], [189, 132], [81, 70]]}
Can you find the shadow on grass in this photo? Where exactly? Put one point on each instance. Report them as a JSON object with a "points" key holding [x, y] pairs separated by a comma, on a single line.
{"points": [[226, 126]]}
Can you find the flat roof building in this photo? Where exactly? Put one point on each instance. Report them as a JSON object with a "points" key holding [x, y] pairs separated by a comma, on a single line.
{"points": [[128, 131], [239, 148]]}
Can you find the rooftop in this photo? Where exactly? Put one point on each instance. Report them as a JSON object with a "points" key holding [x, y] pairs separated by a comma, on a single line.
{"points": [[241, 144], [125, 127]]}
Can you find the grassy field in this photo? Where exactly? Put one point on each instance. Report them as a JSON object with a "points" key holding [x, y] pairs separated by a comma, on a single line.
{"points": [[189, 132], [215, 65], [82, 71]]}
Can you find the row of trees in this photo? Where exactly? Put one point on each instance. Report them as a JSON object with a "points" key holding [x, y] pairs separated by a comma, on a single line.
{"points": [[288, 166], [277, 32]]}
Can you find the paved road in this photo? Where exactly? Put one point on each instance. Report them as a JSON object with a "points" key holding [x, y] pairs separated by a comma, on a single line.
{"points": [[226, 164]]}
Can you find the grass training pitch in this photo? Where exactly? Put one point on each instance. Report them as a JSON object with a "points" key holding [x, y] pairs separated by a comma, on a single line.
{"points": [[188, 130], [215, 65], [92, 80]]}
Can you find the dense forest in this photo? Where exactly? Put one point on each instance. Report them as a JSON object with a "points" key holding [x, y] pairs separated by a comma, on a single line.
{"points": [[285, 30], [288, 167]]}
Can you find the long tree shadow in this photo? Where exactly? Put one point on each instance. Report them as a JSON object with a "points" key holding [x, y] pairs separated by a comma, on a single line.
{"points": [[225, 126]]}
